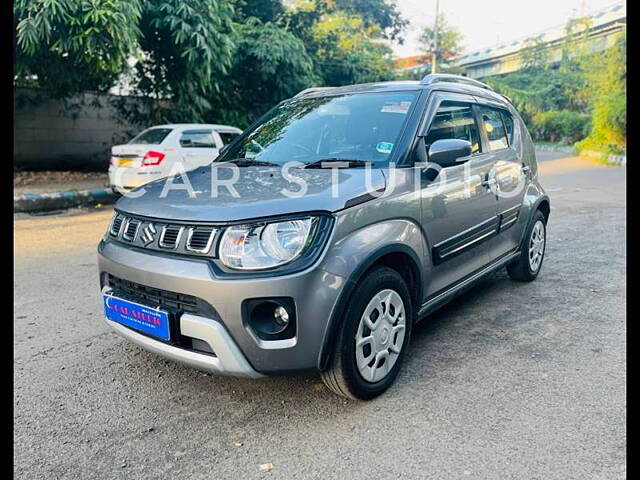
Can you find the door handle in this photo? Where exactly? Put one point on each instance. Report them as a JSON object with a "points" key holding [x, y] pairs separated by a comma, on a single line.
{"points": [[488, 182]]}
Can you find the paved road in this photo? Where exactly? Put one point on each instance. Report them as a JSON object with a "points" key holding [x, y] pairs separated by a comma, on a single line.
{"points": [[510, 381], [545, 156]]}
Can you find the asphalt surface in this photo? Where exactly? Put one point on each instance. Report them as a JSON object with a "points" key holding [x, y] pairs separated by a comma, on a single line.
{"points": [[510, 381]]}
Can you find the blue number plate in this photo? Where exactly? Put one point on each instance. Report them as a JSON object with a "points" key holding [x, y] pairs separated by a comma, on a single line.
{"points": [[139, 317]]}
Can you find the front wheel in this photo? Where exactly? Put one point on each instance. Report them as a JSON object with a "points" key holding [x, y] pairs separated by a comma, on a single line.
{"points": [[373, 337], [527, 266]]}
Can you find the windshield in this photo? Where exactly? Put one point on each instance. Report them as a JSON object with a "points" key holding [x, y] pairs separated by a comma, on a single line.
{"points": [[361, 127]]}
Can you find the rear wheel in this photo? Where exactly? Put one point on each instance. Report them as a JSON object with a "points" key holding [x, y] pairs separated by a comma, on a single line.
{"points": [[527, 266], [375, 331]]}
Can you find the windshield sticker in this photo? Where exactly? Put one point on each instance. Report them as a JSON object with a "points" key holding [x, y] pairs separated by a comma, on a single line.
{"points": [[396, 107], [384, 147]]}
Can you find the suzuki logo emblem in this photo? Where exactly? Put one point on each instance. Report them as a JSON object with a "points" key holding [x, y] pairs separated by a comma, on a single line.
{"points": [[148, 234]]}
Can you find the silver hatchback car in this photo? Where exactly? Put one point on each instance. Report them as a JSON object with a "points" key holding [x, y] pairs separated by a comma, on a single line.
{"points": [[324, 231]]}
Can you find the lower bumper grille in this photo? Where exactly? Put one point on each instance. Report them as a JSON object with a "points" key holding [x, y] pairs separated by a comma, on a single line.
{"points": [[165, 298]]}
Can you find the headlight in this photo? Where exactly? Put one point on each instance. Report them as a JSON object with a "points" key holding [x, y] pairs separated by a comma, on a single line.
{"points": [[265, 245]]}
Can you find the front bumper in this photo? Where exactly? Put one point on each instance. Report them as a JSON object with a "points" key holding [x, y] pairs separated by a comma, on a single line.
{"points": [[228, 359], [239, 351]]}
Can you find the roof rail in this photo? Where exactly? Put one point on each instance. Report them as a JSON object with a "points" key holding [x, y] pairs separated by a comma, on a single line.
{"points": [[311, 90], [448, 77]]}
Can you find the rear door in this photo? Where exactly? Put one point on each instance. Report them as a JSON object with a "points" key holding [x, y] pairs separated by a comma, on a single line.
{"points": [[199, 147], [458, 209], [508, 177]]}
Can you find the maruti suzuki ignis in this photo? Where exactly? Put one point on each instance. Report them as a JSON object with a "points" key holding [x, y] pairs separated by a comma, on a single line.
{"points": [[325, 230]]}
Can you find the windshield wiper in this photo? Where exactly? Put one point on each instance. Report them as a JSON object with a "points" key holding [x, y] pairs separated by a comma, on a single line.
{"points": [[245, 162], [326, 163]]}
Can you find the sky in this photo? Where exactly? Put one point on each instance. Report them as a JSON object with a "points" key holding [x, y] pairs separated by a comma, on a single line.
{"points": [[485, 23]]}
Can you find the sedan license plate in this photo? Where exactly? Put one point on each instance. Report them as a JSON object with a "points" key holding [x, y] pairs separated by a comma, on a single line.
{"points": [[147, 320], [125, 162]]}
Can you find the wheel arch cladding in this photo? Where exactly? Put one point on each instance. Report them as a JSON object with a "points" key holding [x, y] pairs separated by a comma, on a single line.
{"points": [[397, 256], [544, 206]]}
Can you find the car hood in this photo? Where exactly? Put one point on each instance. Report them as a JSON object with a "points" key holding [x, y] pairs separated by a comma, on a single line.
{"points": [[258, 193]]}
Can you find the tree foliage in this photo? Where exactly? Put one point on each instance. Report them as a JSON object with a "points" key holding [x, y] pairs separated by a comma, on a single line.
{"points": [[269, 65], [185, 50], [606, 86], [201, 60], [69, 46], [449, 42], [345, 47]]}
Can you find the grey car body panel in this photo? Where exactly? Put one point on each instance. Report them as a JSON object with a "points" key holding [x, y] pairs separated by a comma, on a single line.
{"points": [[415, 221], [312, 291], [259, 194]]}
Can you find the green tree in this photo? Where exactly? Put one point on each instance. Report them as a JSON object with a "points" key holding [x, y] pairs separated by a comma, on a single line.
{"points": [[263, 10], [181, 50], [606, 87], [185, 50], [381, 13], [449, 41], [345, 48], [69, 46], [535, 54], [269, 65]]}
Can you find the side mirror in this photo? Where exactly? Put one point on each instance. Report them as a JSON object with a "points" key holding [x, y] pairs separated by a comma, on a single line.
{"points": [[449, 152]]}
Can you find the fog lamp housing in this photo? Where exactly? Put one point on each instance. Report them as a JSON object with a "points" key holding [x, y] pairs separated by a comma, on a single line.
{"points": [[270, 318]]}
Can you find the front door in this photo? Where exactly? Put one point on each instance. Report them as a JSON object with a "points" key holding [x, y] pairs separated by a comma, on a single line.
{"points": [[458, 206]]}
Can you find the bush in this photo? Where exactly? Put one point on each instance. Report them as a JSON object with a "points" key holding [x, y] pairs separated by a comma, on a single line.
{"points": [[560, 126]]}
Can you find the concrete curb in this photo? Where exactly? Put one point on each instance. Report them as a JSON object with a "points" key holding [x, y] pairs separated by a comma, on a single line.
{"points": [[555, 148], [620, 160], [32, 202]]}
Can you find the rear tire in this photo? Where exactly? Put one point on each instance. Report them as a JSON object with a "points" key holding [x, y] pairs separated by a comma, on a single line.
{"points": [[528, 265], [373, 337]]}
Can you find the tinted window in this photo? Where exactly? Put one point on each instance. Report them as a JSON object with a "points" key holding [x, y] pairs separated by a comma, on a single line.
{"points": [[197, 139], [227, 137], [151, 136], [493, 125], [508, 125], [363, 126], [454, 120]]}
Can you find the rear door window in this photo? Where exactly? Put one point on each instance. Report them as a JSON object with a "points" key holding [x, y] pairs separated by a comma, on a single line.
{"points": [[197, 139], [153, 136], [495, 128]]}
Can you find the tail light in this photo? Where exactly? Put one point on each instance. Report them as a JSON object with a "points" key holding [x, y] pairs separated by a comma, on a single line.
{"points": [[152, 158]]}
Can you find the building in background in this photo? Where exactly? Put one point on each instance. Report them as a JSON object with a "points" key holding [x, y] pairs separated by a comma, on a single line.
{"points": [[414, 65], [604, 27]]}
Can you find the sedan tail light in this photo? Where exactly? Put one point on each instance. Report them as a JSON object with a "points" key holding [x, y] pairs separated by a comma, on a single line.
{"points": [[152, 158]]}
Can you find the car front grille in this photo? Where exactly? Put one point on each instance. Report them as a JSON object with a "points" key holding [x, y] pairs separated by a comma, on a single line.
{"points": [[200, 239], [195, 240], [130, 229]]}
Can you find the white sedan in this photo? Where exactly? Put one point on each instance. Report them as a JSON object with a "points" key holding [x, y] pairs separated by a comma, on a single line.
{"points": [[154, 152]]}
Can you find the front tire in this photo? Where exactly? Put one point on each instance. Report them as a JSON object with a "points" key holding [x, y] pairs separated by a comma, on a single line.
{"points": [[373, 337], [527, 266]]}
